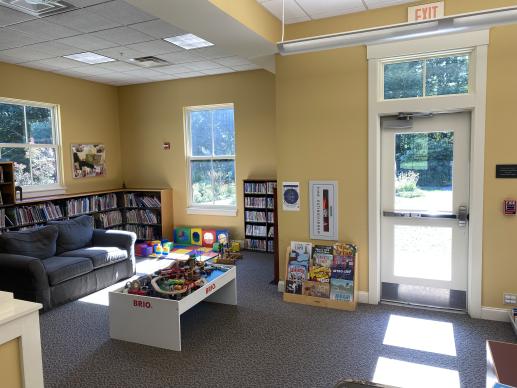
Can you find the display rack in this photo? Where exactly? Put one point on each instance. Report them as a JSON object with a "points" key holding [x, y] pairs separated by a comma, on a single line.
{"points": [[147, 212], [260, 216], [324, 302]]}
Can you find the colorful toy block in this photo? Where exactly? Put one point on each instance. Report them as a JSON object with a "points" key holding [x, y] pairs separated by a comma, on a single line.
{"points": [[196, 236], [209, 237], [182, 236]]}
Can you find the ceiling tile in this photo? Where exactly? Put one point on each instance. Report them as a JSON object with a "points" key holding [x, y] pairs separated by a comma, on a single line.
{"points": [[54, 64], [121, 12], [118, 66], [330, 7], [44, 29], [91, 69], [292, 10], [174, 69], [122, 35], [147, 73], [219, 70], [232, 61], [10, 16], [10, 59], [11, 39], [247, 67], [181, 57], [155, 47], [191, 74], [121, 53], [40, 51], [87, 42], [212, 52], [158, 29], [202, 65], [83, 21], [385, 3], [84, 3]]}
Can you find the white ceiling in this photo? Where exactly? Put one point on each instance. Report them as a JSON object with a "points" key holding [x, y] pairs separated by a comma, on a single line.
{"points": [[113, 28], [304, 10]]}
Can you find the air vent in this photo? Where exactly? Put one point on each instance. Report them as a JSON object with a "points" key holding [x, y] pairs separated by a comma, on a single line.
{"points": [[38, 8], [150, 61]]}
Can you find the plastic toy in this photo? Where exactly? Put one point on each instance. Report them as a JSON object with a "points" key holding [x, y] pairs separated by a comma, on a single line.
{"points": [[196, 236], [209, 238], [182, 236]]}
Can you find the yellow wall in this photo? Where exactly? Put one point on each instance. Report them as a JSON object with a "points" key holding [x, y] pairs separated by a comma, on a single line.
{"points": [[254, 16], [153, 113], [10, 371], [89, 114], [322, 134]]}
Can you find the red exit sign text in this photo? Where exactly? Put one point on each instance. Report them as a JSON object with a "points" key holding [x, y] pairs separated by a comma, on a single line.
{"points": [[426, 12]]}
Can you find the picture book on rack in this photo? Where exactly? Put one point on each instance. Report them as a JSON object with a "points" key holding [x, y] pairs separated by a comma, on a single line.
{"points": [[322, 256], [317, 289], [341, 289]]}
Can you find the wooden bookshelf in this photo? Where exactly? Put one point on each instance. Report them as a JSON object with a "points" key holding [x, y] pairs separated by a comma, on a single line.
{"points": [[7, 191], [260, 217], [148, 214]]}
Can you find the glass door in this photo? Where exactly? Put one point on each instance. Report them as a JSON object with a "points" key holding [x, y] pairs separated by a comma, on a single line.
{"points": [[424, 232]]}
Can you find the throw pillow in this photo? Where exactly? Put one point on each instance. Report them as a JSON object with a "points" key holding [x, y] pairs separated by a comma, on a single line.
{"points": [[39, 242], [73, 234]]}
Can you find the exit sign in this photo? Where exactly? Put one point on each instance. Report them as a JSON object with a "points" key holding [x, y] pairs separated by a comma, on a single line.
{"points": [[425, 12]]}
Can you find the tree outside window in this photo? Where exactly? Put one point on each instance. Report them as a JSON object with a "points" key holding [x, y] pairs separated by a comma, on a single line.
{"points": [[27, 138], [211, 154]]}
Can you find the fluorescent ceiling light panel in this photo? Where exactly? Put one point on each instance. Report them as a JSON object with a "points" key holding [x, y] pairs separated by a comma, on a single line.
{"points": [[89, 58], [188, 41]]}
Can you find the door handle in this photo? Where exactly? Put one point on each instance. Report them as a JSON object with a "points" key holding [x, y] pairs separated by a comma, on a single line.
{"points": [[419, 215]]}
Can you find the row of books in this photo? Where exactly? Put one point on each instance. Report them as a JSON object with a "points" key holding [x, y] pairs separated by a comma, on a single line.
{"points": [[142, 232], [514, 315], [32, 214], [255, 244], [255, 188], [253, 216], [255, 202], [141, 217], [270, 187], [270, 203], [256, 230], [271, 232], [322, 271], [270, 246], [103, 202], [108, 219], [133, 200]]}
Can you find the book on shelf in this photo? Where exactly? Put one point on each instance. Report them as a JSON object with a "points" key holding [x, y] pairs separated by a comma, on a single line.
{"points": [[342, 290], [255, 216], [255, 188], [317, 289], [253, 244], [322, 256]]}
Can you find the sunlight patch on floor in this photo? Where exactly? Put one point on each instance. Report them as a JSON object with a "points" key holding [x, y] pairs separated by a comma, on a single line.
{"points": [[407, 374], [420, 334]]}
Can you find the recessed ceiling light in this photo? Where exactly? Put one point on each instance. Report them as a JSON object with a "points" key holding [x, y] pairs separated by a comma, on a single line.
{"points": [[90, 58], [188, 41]]}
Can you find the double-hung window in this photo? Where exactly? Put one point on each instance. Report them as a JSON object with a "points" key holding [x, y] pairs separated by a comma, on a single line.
{"points": [[29, 138], [210, 133]]}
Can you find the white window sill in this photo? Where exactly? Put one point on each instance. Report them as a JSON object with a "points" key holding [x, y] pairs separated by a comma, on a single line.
{"points": [[35, 192], [226, 212]]}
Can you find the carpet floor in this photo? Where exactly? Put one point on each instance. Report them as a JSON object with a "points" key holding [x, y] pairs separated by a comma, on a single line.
{"points": [[264, 342]]}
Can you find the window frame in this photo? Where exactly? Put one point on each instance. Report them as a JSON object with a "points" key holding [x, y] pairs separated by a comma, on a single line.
{"points": [[424, 57], [193, 208], [58, 187]]}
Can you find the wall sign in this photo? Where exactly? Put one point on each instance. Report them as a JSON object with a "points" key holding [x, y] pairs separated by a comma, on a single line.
{"points": [[507, 171], [291, 196], [323, 210], [423, 12]]}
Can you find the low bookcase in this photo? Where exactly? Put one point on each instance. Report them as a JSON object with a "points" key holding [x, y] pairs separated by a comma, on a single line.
{"points": [[147, 212]]}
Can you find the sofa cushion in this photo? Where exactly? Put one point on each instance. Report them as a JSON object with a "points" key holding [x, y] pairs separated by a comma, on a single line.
{"points": [[60, 269], [100, 256], [73, 234], [39, 242]]}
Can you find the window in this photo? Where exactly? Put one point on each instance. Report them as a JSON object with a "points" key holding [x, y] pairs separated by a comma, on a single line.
{"points": [[28, 137], [211, 156], [433, 76]]}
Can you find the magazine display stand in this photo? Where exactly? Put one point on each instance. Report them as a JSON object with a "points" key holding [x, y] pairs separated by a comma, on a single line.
{"points": [[317, 289]]}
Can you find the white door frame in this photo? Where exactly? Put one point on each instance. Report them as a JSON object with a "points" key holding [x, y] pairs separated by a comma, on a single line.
{"points": [[474, 102]]}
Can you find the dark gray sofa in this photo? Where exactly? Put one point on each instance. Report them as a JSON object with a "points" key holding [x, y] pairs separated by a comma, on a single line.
{"points": [[64, 261]]}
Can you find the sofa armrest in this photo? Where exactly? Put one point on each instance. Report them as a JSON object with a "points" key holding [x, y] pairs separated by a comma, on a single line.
{"points": [[118, 238], [26, 277]]}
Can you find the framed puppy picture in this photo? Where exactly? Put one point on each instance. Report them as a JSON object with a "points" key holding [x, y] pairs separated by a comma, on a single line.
{"points": [[323, 210], [88, 160]]}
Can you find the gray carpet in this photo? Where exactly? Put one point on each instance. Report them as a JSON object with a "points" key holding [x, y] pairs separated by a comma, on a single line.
{"points": [[262, 342]]}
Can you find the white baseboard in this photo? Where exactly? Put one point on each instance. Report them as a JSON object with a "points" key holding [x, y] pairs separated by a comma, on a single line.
{"points": [[362, 297], [495, 314]]}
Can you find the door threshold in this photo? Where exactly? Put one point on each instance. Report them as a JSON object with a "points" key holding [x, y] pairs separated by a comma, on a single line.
{"points": [[422, 306]]}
